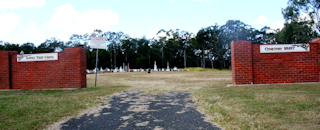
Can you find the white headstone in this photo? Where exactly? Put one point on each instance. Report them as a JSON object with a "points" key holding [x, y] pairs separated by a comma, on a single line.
{"points": [[155, 68], [121, 70], [95, 70], [175, 68], [116, 70]]}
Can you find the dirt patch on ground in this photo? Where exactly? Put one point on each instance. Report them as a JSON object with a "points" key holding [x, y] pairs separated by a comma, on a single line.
{"points": [[163, 81]]}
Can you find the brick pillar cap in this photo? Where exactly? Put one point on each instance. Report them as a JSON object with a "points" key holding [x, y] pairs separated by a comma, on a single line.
{"points": [[315, 40], [241, 41]]}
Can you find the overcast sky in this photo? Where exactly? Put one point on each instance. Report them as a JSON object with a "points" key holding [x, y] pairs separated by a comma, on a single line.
{"points": [[37, 20]]}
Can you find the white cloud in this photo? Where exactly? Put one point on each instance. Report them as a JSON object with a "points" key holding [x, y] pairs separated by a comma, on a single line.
{"points": [[31, 29], [67, 21], [13, 4], [262, 19], [26, 33], [277, 25], [8, 22]]}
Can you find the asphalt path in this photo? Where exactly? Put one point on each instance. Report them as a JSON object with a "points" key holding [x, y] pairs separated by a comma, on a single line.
{"points": [[136, 110]]}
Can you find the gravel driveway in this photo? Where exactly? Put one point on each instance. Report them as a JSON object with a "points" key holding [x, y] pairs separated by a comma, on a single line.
{"points": [[135, 110]]}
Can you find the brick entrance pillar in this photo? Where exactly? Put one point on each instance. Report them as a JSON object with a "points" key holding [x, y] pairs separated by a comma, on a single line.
{"points": [[241, 62]]}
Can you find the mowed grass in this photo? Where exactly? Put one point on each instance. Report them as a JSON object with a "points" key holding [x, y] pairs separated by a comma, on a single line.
{"points": [[35, 109], [245, 107], [262, 107]]}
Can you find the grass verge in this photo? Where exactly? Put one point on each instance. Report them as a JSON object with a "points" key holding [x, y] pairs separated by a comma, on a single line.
{"points": [[262, 107], [197, 69], [245, 107], [35, 109]]}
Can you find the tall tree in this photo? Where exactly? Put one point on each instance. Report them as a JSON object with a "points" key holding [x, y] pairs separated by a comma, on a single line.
{"points": [[11, 47], [115, 40], [171, 49], [143, 51], [296, 32], [298, 28], [310, 7], [129, 49], [1, 45], [28, 48], [161, 41], [50, 45], [77, 40], [186, 41], [209, 44]]}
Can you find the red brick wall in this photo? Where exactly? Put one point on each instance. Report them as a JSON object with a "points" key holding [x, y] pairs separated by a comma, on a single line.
{"points": [[266, 68], [291, 67], [69, 71], [4, 70], [241, 62], [83, 68]]}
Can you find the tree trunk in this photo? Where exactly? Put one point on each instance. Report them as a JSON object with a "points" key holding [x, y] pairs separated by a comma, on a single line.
{"points": [[212, 65], [224, 63], [127, 62], [162, 55], [111, 59], [185, 58], [115, 58], [197, 62], [149, 62], [203, 61]]}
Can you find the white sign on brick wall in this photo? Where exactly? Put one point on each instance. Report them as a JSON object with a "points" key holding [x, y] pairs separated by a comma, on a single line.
{"points": [[284, 48], [37, 57]]}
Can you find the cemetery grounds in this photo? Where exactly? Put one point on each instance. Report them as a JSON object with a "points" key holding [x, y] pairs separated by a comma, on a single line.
{"points": [[242, 107]]}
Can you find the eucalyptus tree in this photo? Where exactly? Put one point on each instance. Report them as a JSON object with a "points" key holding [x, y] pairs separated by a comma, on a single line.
{"points": [[208, 43], [1, 45], [51, 45], [161, 41], [266, 35], [28, 48], [172, 50], [143, 53], [236, 30], [11, 47], [129, 49], [302, 21], [177, 43], [77, 40], [156, 53], [115, 41], [185, 42], [296, 32], [296, 8]]}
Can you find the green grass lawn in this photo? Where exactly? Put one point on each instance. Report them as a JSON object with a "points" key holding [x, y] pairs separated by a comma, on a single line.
{"points": [[35, 109], [263, 107], [245, 107]]}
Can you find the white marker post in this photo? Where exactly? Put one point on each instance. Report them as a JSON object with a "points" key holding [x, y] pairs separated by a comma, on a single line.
{"points": [[97, 43]]}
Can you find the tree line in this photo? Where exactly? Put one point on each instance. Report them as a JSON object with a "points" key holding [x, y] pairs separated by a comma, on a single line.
{"points": [[209, 47]]}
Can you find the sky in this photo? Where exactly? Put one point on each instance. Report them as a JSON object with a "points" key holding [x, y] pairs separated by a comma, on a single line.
{"points": [[35, 21]]}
